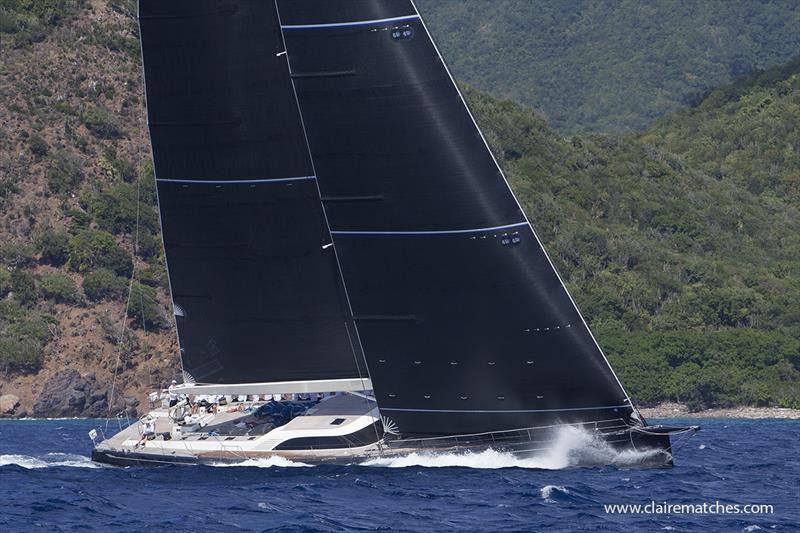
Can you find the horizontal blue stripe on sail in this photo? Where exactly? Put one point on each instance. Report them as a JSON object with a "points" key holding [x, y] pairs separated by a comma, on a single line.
{"points": [[439, 232], [234, 182], [348, 24], [504, 410]]}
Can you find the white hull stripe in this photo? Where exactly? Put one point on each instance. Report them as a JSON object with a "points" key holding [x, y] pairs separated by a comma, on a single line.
{"points": [[235, 182], [348, 24], [442, 232], [504, 410]]}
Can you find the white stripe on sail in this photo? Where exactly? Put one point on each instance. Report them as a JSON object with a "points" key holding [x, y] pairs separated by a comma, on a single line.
{"points": [[234, 182], [347, 24], [432, 232]]}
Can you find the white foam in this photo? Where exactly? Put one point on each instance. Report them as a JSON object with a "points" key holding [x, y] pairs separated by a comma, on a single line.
{"points": [[484, 459], [573, 446], [547, 491], [48, 460], [267, 462]]}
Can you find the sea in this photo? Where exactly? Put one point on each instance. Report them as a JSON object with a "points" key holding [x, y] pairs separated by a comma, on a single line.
{"points": [[48, 483]]}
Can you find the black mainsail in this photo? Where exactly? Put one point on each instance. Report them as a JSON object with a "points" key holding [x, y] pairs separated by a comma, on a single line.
{"points": [[281, 127], [254, 282]]}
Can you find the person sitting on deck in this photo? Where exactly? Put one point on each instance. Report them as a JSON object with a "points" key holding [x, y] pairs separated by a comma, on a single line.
{"points": [[148, 431]]}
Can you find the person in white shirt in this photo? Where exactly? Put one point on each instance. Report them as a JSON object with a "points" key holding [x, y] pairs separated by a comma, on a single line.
{"points": [[148, 431], [173, 397]]}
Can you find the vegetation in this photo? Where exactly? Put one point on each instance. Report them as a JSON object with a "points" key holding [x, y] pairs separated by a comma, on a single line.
{"points": [[68, 183], [609, 66], [23, 287], [64, 174], [15, 254], [102, 123], [22, 337], [59, 287], [91, 249], [23, 22], [53, 247], [103, 284], [117, 209], [38, 146], [704, 369], [144, 308], [747, 132], [19, 354]]}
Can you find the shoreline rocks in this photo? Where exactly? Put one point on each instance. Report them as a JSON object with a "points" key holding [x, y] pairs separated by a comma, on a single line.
{"points": [[70, 394], [676, 410], [8, 405]]}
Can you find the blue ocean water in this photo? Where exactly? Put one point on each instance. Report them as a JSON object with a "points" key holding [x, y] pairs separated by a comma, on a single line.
{"points": [[47, 481]]}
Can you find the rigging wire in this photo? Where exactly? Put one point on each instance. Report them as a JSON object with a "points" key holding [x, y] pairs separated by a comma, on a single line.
{"points": [[124, 320]]}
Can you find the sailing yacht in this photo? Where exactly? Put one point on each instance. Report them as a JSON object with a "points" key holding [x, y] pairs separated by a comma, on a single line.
{"points": [[334, 222]]}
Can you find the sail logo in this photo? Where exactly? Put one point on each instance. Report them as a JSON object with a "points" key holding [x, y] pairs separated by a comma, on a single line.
{"points": [[402, 33]]}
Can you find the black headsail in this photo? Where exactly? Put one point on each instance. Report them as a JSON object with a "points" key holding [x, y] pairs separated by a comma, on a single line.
{"points": [[255, 284], [464, 322]]}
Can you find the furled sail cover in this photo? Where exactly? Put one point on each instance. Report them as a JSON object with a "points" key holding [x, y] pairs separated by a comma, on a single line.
{"points": [[257, 297], [464, 322]]}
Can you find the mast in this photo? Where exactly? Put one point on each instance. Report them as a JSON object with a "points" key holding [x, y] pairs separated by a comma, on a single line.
{"points": [[464, 321]]}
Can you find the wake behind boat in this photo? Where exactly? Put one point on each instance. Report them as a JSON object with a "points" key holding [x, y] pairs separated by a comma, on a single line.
{"points": [[334, 221]]}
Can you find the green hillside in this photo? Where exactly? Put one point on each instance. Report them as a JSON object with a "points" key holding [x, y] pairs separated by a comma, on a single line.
{"points": [[747, 132], [73, 161], [681, 244], [608, 65]]}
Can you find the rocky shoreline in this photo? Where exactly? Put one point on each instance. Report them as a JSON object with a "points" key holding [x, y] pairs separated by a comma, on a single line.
{"points": [[69, 394], [677, 410]]}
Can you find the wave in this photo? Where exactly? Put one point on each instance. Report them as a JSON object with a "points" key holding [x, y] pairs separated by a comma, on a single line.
{"points": [[573, 446], [48, 460], [550, 492], [267, 462]]}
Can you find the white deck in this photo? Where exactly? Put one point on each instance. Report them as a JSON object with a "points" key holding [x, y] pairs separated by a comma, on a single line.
{"points": [[219, 438]]}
